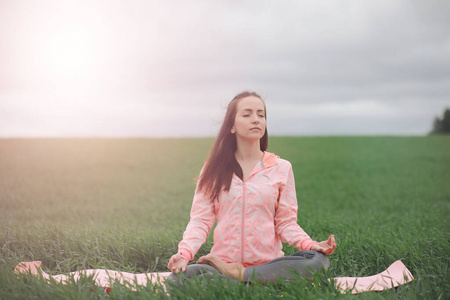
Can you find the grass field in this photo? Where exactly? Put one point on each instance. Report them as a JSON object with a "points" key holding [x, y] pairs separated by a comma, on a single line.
{"points": [[123, 204]]}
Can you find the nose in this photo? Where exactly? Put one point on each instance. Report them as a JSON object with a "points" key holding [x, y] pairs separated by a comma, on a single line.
{"points": [[255, 119]]}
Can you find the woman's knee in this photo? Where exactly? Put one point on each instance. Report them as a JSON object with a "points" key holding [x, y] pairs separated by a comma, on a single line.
{"points": [[321, 260], [305, 263], [194, 271], [314, 259]]}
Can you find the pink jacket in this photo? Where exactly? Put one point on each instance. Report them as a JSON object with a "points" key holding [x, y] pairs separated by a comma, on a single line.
{"points": [[253, 218]]}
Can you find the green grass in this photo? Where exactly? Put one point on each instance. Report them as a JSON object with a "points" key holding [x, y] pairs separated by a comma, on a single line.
{"points": [[123, 204]]}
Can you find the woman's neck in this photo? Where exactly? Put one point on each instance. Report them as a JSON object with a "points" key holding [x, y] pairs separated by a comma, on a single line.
{"points": [[248, 151]]}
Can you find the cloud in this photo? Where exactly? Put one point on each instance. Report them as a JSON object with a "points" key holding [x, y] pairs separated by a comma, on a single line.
{"points": [[166, 68]]}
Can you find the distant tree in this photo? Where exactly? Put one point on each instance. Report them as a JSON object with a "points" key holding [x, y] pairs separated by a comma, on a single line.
{"points": [[442, 125], [446, 121]]}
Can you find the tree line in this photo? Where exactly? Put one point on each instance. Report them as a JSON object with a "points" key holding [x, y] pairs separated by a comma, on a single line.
{"points": [[442, 125]]}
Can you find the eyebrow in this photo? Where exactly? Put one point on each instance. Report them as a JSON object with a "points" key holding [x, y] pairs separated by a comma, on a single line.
{"points": [[250, 110]]}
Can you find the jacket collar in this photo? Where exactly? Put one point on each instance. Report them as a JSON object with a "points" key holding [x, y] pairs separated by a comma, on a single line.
{"points": [[269, 160]]}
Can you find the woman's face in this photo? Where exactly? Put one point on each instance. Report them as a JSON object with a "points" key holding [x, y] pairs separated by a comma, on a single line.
{"points": [[250, 120]]}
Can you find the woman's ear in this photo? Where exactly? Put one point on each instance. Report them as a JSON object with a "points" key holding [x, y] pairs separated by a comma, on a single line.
{"points": [[233, 131]]}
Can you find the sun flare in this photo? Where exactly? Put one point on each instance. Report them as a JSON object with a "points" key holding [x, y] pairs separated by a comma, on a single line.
{"points": [[70, 52]]}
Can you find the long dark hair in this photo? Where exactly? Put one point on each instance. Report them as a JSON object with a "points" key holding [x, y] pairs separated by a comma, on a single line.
{"points": [[221, 164]]}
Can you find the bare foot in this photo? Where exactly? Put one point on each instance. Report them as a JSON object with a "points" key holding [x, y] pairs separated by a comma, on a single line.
{"points": [[33, 268], [234, 270], [210, 259]]}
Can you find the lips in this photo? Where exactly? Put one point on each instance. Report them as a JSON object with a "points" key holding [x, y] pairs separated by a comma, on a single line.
{"points": [[255, 128]]}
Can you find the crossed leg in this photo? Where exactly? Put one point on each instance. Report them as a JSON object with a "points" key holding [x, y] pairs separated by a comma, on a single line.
{"points": [[233, 270], [303, 262]]}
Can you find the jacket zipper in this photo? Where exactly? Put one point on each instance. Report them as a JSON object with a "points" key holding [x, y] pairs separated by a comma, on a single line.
{"points": [[244, 187], [244, 191]]}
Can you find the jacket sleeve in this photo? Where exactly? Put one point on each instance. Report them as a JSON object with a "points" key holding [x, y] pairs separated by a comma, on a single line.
{"points": [[201, 221], [286, 225]]}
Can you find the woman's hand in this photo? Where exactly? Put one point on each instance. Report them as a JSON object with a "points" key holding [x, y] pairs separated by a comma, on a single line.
{"points": [[177, 263], [326, 247]]}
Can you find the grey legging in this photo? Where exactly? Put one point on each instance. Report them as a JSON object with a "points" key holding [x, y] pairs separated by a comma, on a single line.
{"points": [[303, 262]]}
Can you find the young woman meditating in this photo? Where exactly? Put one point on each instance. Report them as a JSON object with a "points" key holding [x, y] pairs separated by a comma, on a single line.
{"points": [[251, 193]]}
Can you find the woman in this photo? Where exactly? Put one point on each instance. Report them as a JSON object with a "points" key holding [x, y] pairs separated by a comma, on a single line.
{"points": [[251, 193]]}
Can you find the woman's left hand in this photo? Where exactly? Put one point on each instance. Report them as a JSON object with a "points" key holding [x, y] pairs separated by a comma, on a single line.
{"points": [[326, 247]]}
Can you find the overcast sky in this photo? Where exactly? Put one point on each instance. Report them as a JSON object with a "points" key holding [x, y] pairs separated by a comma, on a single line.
{"points": [[169, 68]]}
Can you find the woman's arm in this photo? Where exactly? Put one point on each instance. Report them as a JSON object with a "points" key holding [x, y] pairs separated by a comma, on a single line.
{"points": [[202, 219], [286, 225], [286, 220]]}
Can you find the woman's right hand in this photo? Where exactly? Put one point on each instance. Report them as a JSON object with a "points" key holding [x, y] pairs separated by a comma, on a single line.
{"points": [[177, 263], [327, 247]]}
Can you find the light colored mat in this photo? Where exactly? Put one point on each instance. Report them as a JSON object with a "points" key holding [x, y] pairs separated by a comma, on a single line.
{"points": [[395, 275]]}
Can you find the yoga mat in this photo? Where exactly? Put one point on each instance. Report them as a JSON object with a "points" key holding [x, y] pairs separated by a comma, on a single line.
{"points": [[396, 274]]}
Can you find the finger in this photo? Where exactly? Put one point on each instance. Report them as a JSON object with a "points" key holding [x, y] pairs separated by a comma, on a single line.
{"points": [[332, 249], [330, 240], [328, 250], [183, 269]]}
